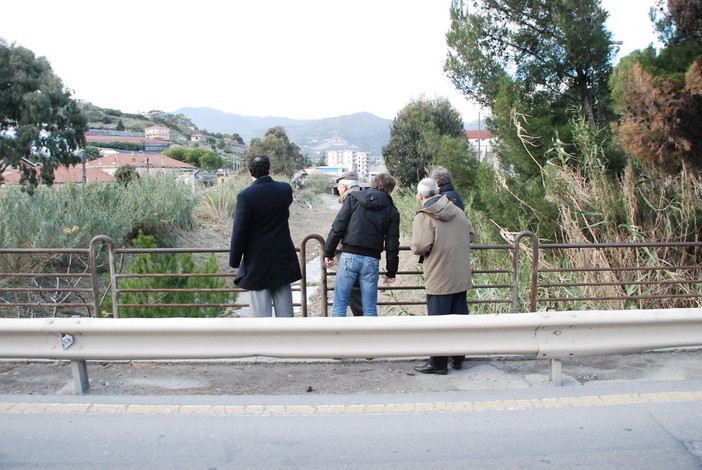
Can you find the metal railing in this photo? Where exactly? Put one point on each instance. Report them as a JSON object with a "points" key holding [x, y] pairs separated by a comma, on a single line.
{"points": [[526, 275], [551, 336]]}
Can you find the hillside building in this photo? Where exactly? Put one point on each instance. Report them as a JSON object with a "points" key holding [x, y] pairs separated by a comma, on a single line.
{"points": [[350, 160], [150, 145], [157, 132]]}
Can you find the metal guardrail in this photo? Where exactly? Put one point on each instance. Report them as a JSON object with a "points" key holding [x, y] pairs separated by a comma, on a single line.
{"points": [[523, 276], [544, 335]]}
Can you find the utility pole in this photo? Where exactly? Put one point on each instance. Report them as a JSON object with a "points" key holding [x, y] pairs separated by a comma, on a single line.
{"points": [[480, 155], [83, 157]]}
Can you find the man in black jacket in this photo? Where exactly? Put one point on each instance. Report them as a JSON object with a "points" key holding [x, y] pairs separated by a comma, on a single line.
{"points": [[367, 223], [261, 246], [346, 183], [445, 181]]}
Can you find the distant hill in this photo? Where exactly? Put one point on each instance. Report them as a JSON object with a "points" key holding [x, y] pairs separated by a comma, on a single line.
{"points": [[364, 132]]}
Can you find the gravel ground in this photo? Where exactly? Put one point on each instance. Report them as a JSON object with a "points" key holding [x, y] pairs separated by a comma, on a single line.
{"points": [[265, 376]]}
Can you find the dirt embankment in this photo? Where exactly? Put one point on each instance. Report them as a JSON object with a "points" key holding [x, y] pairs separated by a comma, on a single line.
{"points": [[307, 215]]}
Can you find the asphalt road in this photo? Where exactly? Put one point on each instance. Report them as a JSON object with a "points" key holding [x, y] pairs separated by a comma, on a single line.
{"points": [[612, 425], [633, 411]]}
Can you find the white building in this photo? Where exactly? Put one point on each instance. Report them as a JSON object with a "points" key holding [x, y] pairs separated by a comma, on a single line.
{"points": [[481, 142], [157, 132], [351, 160]]}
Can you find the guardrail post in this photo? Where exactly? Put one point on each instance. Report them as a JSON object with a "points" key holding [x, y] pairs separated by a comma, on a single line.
{"points": [[555, 372], [80, 376]]}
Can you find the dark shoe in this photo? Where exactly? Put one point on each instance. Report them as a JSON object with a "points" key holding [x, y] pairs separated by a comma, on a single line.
{"points": [[427, 368], [457, 365]]}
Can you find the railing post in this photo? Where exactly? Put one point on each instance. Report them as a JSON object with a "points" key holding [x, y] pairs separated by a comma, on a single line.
{"points": [[515, 270], [303, 268], [93, 270]]}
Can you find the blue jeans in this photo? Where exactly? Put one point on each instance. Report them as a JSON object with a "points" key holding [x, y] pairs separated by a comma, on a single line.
{"points": [[367, 270]]}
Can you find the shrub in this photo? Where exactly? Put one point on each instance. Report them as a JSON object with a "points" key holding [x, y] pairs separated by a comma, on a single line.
{"points": [[219, 203], [171, 263], [71, 215]]}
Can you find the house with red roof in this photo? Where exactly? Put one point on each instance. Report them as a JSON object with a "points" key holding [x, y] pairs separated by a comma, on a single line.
{"points": [[481, 141], [104, 168], [63, 175], [144, 163]]}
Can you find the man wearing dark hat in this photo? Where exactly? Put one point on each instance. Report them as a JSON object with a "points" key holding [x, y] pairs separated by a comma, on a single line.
{"points": [[346, 183]]}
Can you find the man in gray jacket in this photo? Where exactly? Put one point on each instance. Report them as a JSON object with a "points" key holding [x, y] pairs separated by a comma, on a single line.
{"points": [[442, 235]]}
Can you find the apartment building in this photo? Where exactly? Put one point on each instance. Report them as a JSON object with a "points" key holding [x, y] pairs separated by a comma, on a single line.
{"points": [[351, 160]]}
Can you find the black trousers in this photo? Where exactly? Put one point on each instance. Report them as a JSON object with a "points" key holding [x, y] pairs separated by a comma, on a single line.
{"points": [[355, 301], [446, 305]]}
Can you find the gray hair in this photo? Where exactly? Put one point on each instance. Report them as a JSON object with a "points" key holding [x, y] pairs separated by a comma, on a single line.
{"points": [[349, 183], [441, 175], [427, 188]]}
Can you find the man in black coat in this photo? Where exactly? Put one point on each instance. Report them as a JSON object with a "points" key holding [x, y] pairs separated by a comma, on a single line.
{"points": [[445, 181], [262, 249]]}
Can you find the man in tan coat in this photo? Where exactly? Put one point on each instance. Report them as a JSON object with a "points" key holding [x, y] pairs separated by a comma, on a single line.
{"points": [[441, 235]]}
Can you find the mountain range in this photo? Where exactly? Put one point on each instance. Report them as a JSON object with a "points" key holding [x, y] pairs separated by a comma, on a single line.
{"points": [[364, 132]]}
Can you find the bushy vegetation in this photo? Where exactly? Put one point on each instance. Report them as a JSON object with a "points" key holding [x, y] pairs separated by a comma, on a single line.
{"points": [[199, 157], [315, 184], [593, 205], [217, 205], [70, 216], [192, 290]]}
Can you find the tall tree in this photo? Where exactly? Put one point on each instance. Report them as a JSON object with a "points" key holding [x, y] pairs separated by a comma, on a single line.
{"points": [[415, 138], [533, 64], [678, 21], [659, 95], [558, 51], [284, 155], [40, 126]]}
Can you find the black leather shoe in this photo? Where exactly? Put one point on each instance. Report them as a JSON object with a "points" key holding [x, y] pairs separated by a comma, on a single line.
{"points": [[427, 368]]}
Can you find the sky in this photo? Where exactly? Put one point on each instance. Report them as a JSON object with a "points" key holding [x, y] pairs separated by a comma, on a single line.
{"points": [[301, 59]]}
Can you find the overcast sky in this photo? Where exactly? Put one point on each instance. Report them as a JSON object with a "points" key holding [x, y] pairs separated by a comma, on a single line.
{"points": [[303, 59]]}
